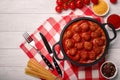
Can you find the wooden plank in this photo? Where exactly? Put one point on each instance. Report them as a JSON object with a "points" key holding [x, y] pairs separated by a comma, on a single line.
{"points": [[14, 39], [10, 39], [13, 58], [23, 22], [114, 8], [18, 16], [14, 63], [14, 73], [38, 6], [113, 55], [17, 58], [27, 6]]}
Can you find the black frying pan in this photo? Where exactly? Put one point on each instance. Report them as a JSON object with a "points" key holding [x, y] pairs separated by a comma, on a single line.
{"points": [[108, 40]]}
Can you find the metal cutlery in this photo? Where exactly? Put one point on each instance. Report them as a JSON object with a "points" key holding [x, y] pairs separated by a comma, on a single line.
{"points": [[29, 39], [51, 53]]}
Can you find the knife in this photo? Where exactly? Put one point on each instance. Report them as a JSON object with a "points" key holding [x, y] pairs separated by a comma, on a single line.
{"points": [[51, 53]]}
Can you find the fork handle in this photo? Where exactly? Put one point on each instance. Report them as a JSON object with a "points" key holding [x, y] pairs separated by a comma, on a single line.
{"points": [[46, 61]]}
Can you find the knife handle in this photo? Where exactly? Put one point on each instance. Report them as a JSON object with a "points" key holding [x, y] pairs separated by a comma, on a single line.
{"points": [[57, 67], [46, 61]]}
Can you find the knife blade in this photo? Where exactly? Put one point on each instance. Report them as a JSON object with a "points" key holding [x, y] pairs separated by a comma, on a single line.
{"points": [[51, 53]]}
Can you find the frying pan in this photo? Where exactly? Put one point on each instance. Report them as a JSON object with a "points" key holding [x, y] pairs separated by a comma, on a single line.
{"points": [[108, 40]]}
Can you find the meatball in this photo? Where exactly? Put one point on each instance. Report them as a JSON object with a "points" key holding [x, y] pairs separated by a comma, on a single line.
{"points": [[92, 55], [88, 45], [79, 45], [69, 34], [103, 37], [93, 26], [99, 32], [86, 36], [85, 27], [83, 56], [98, 42], [94, 35], [76, 57], [97, 50], [76, 37], [69, 43], [76, 28], [73, 51]]}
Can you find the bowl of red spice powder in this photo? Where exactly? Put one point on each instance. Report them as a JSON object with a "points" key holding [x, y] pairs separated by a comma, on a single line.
{"points": [[114, 19]]}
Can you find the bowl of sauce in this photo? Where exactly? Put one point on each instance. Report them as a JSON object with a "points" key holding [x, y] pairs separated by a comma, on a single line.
{"points": [[114, 19], [108, 69]]}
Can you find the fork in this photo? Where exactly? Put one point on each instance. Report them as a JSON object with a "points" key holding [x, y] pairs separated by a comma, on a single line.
{"points": [[29, 39]]}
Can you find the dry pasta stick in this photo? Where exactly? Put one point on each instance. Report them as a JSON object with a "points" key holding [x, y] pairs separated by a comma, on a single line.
{"points": [[39, 70], [34, 73], [37, 67]]}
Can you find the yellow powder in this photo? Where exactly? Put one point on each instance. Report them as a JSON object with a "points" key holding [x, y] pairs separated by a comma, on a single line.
{"points": [[100, 8]]}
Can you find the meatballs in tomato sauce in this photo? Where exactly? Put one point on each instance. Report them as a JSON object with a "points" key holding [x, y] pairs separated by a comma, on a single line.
{"points": [[84, 41]]}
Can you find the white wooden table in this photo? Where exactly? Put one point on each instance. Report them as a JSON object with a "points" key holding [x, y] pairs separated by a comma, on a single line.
{"points": [[19, 16]]}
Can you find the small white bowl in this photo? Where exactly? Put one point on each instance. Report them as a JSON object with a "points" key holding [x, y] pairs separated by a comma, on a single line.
{"points": [[115, 73], [103, 13]]}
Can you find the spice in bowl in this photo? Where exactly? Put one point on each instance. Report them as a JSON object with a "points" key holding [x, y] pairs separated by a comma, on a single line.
{"points": [[108, 70], [101, 8], [114, 19]]}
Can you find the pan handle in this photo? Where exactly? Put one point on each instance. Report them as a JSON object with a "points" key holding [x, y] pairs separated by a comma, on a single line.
{"points": [[55, 54], [113, 29]]}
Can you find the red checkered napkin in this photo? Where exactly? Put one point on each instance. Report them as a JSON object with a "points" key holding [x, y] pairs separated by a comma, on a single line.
{"points": [[52, 28]]}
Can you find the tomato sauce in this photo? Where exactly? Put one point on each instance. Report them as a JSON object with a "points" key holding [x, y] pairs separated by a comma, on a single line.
{"points": [[114, 19]]}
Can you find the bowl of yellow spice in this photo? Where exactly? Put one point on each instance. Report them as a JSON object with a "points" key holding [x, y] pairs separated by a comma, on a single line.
{"points": [[100, 9]]}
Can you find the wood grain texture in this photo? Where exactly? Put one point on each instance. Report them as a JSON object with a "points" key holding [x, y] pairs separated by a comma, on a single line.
{"points": [[19, 16]]}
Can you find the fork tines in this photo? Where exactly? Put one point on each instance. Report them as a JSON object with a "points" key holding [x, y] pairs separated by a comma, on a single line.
{"points": [[27, 37]]}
